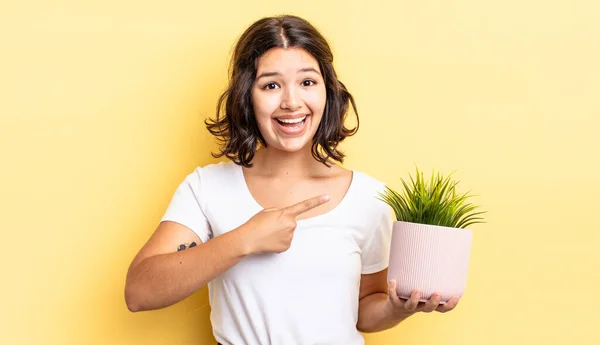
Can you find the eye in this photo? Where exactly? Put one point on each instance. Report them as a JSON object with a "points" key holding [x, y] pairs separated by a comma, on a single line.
{"points": [[270, 86], [308, 82]]}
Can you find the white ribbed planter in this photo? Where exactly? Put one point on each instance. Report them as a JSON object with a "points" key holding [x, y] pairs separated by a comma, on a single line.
{"points": [[429, 258]]}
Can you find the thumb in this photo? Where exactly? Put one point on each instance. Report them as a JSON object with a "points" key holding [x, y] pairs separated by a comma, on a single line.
{"points": [[392, 294]]}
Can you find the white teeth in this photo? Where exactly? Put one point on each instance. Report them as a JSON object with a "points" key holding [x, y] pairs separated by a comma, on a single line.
{"points": [[298, 120]]}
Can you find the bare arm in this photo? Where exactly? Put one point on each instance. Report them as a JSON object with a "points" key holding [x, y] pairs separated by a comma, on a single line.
{"points": [[373, 298], [380, 307], [160, 275]]}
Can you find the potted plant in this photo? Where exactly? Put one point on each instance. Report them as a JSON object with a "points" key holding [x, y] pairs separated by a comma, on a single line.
{"points": [[430, 245]]}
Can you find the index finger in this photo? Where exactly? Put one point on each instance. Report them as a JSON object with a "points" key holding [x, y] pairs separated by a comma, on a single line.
{"points": [[306, 205]]}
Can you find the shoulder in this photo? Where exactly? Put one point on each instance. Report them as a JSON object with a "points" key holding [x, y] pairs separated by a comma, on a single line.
{"points": [[211, 184], [209, 179], [369, 190], [211, 173], [367, 180], [366, 183]]}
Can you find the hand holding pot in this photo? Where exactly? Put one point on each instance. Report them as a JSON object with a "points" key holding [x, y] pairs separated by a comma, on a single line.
{"points": [[404, 307]]}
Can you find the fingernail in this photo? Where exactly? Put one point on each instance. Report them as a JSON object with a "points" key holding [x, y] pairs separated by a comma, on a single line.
{"points": [[325, 197]]}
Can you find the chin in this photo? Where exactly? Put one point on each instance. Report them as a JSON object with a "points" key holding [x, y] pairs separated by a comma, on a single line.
{"points": [[293, 146]]}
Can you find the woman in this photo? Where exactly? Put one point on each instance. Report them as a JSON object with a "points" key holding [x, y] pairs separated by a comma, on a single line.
{"points": [[294, 247]]}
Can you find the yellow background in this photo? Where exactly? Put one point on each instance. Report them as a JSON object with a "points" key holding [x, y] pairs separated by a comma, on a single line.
{"points": [[101, 110]]}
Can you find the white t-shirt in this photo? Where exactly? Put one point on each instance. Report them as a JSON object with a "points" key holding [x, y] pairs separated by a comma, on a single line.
{"points": [[306, 295]]}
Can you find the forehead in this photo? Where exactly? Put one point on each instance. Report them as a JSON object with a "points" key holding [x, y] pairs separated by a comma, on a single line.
{"points": [[288, 59]]}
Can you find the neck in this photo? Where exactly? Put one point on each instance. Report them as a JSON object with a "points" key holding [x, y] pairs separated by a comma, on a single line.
{"points": [[274, 162]]}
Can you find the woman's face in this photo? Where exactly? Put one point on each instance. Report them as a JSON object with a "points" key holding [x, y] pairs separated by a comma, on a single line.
{"points": [[288, 98]]}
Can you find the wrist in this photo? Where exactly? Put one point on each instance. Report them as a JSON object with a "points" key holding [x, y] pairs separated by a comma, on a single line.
{"points": [[243, 241], [394, 313]]}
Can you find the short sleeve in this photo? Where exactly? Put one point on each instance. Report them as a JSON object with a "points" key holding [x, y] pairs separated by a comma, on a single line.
{"points": [[186, 206], [376, 251]]}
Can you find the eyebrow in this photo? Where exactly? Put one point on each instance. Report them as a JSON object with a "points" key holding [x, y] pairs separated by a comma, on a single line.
{"points": [[271, 74]]}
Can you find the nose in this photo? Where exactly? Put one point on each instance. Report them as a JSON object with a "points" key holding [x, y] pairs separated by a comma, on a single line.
{"points": [[291, 100]]}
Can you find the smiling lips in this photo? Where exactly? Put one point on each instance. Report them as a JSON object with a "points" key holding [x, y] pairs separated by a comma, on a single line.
{"points": [[291, 124]]}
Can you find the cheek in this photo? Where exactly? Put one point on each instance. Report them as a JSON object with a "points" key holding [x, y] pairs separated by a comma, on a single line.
{"points": [[316, 101], [264, 106]]}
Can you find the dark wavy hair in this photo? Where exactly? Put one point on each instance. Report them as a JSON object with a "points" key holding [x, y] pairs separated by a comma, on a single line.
{"points": [[235, 125]]}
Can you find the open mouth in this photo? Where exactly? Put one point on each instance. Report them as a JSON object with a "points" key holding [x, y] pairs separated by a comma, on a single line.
{"points": [[292, 122], [294, 125]]}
